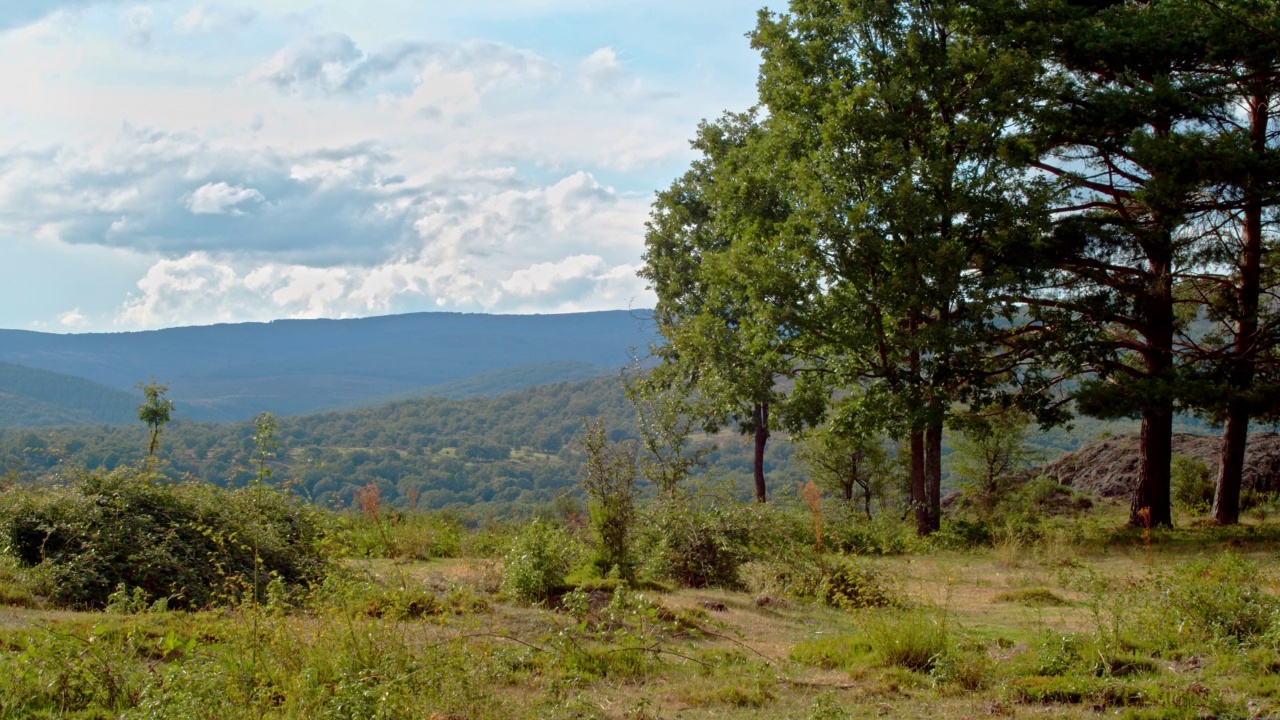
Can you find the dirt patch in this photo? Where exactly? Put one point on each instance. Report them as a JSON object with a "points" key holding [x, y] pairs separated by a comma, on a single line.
{"points": [[1109, 467]]}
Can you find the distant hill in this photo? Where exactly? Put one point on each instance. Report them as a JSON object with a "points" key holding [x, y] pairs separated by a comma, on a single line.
{"points": [[231, 372], [30, 397], [491, 384], [513, 450], [517, 449]]}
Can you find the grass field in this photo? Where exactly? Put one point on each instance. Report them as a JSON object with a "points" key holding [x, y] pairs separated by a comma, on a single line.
{"points": [[1086, 621]]}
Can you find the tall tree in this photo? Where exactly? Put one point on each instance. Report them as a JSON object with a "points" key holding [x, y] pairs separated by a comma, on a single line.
{"points": [[887, 122], [1119, 123], [1244, 63], [717, 345]]}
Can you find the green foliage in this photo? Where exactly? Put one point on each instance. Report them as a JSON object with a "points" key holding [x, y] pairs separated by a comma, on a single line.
{"points": [[883, 534], [854, 467], [535, 566], [1192, 488], [1221, 598], [853, 584], [155, 411], [665, 419], [609, 479], [189, 544], [910, 640], [989, 455], [697, 541], [847, 583]]}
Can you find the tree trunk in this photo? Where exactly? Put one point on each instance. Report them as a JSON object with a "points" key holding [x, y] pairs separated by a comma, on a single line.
{"points": [[1243, 353], [918, 498], [1235, 437], [933, 473], [1151, 501], [1152, 495], [761, 437]]}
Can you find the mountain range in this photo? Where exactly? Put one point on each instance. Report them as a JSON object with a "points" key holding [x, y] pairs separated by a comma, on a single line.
{"points": [[233, 371]]}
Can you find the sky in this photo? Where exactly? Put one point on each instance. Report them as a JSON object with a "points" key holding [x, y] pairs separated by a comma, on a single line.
{"points": [[174, 162]]}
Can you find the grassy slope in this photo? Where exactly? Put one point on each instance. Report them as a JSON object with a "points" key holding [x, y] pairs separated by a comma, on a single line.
{"points": [[477, 655]]}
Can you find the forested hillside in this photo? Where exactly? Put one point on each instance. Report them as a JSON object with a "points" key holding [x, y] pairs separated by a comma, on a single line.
{"points": [[31, 398], [516, 449], [230, 372]]}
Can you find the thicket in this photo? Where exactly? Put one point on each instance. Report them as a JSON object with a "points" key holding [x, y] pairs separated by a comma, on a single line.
{"points": [[183, 545]]}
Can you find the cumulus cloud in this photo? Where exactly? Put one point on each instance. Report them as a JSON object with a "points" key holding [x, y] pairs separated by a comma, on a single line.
{"points": [[328, 177], [218, 198], [169, 193], [214, 19], [471, 251], [72, 319], [600, 71], [333, 63]]}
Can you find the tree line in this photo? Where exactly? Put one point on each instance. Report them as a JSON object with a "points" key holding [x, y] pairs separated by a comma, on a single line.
{"points": [[941, 211]]}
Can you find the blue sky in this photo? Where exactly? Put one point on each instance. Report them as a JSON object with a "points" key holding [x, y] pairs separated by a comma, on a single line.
{"points": [[180, 163]]}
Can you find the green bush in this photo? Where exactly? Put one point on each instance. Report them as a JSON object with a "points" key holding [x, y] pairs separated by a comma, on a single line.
{"points": [[535, 566], [697, 545], [884, 534], [852, 583], [1219, 598], [1192, 488], [189, 544]]}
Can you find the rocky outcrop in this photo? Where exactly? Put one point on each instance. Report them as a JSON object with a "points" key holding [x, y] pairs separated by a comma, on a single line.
{"points": [[1109, 467]]}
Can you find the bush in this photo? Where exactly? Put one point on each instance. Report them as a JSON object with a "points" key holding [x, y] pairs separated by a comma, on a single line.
{"points": [[697, 545], [1192, 488], [1220, 598], [535, 566], [885, 534], [189, 544], [852, 584], [845, 583]]}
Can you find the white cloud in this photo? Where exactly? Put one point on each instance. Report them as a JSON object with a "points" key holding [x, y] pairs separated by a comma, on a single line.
{"points": [[332, 63], [307, 158], [138, 25], [600, 71], [73, 319], [474, 250], [218, 198], [214, 19]]}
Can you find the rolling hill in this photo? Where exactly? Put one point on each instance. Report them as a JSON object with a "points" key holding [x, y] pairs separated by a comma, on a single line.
{"points": [[30, 397], [231, 372]]}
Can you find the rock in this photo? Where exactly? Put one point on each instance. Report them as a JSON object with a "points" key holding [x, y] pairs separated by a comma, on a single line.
{"points": [[1109, 467]]}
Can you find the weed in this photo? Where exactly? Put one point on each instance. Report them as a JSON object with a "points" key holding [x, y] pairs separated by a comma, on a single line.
{"points": [[910, 640], [1032, 597]]}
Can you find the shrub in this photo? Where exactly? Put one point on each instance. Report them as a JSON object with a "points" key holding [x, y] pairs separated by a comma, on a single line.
{"points": [[1220, 598], [884, 534], [190, 544], [609, 478], [535, 566], [1192, 488], [852, 584], [697, 545]]}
